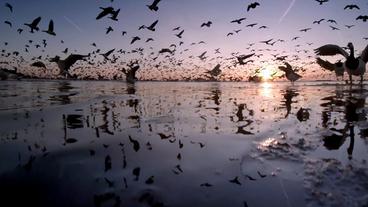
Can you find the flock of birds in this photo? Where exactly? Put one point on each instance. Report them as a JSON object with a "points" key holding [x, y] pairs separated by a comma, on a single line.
{"points": [[353, 66]]}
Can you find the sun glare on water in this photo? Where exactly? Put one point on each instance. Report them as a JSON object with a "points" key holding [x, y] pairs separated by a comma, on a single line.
{"points": [[266, 73]]}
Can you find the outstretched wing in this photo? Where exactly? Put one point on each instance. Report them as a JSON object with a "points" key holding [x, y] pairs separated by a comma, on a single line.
{"points": [[325, 64], [51, 25], [36, 21], [330, 50], [364, 54], [153, 24], [73, 58]]}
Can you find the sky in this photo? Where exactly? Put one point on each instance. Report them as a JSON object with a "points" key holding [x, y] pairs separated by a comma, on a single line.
{"points": [[75, 23]]}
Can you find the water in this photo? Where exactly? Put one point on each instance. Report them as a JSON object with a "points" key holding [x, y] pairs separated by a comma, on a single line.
{"points": [[106, 143]]}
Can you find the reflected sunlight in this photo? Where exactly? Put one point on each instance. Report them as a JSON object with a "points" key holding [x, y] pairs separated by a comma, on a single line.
{"points": [[266, 89]]}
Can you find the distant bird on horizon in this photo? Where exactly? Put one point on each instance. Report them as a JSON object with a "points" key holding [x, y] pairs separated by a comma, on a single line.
{"points": [[64, 65], [290, 74], [34, 25], [153, 6], [337, 67], [353, 65], [252, 6], [50, 29]]}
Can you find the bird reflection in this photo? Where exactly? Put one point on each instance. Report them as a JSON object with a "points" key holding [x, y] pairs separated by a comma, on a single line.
{"points": [[289, 94], [63, 97]]}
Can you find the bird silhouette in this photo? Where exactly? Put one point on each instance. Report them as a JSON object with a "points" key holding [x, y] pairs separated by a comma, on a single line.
{"points": [[252, 6], [64, 65], [290, 74], [136, 38], [50, 30], [353, 65], [179, 35], [207, 24], [109, 29], [34, 24], [337, 67], [114, 15], [318, 21], [105, 11], [152, 26], [362, 17], [321, 1], [8, 23], [153, 6], [351, 6], [9, 6], [239, 21], [106, 55]]}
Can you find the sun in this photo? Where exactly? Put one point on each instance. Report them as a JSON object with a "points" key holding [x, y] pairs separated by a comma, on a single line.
{"points": [[266, 74]]}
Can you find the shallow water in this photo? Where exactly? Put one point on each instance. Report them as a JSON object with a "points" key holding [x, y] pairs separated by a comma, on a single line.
{"points": [[106, 143]]}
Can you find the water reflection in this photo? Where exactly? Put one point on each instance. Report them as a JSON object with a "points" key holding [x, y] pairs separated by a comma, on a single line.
{"points": [[288, 94]]}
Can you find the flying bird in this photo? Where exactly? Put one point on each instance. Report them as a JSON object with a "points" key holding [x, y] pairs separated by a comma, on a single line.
{"points": [[8, 23], [318, 21], [179, 35], [9, 6], [136, 38], [239, 21], [34, 24], [215, 71], [364, 18], [64, 65], [114, 15], [109, 29], [105, 12], [207, 24], [153, 6], [353, 65], [290, 74], [305, 30], [334, 28], [106, 55], [252, 6], [50, 30], [152, 26], [321, 1], [351, 6]]}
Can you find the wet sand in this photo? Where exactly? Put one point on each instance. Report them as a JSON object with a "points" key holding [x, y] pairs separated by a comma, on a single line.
{"points": [[106, 143]]}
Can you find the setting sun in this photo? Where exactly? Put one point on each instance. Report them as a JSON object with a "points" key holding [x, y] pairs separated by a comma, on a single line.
{"points": [[266, 73]]}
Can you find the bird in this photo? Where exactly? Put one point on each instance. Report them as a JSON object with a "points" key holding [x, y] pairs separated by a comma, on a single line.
{"points": [[207, 24], [149, 39], [241, 58], [136, 38], [8, 23], [153, 6], [321, 1], [19, 30], [152, 26], [9, 6], [251, 25], [351, 6], [349, 26], [109, 29], [179, 35], [334, 28], [353, 65], [318, 21], [106, 55], [50, 30], [215, 71], [34, 24], [114, 15], [39, 64], [238, 20], [337, 67], [305, 30], [252, 6], [290, 74], [362, 17], [104, 12], [64, 65], [332, 21]]}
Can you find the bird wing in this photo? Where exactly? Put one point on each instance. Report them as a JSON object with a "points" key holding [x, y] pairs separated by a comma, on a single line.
{"points": [[330, 50], [36, 21], [71, 59], [109, 52], [51, 25], [155, 3], [364, 54], [325, 64], [103, 13], [288, 67], [153, 24], [9, 6]]}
